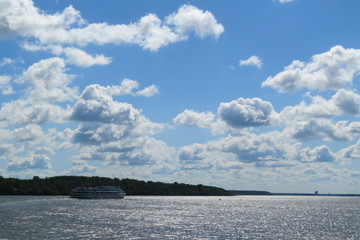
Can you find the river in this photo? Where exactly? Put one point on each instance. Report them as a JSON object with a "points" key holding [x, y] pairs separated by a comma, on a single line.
{"points": [[155, 217]]}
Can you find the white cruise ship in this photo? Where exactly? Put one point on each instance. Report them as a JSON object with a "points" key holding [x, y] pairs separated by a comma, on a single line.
{"points": [[97, 192]]}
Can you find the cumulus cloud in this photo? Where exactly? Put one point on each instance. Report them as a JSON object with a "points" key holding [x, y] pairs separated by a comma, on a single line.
{"points": [[5, 85], [193, 118], [246, 112], [127, 150], [200, 157], [95, 105], [232, 117], [30, 113], [103, 119], [349, 153], [343, 102], [32, 161], [189, 18], [46, 87], [191, 153], [72, 55], [256, 148], [318, 108], [29, 133], [6, 150], [48, 81], [21, 17], [347, 101], [81, 167], [331, 70], [115, 132], [318, 154], [80, 58], [321, 129], [126, 87], [46, 84], [148, 91], [252, 61], [268, 150]]}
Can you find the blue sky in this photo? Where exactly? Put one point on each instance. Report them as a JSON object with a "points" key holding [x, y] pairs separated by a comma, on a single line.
{"points": [[242, 95]]}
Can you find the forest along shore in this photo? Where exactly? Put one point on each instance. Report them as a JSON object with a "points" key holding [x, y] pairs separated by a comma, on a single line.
{"points": [[62, 185]]}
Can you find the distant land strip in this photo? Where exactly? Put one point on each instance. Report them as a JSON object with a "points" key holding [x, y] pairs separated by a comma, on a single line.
{"points": [[266, 193], [62, 185]]}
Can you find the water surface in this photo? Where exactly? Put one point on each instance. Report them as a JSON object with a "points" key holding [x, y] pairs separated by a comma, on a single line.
{"points": [[260, 217]]}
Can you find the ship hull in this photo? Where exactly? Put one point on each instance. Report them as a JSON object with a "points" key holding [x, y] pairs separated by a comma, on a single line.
{"points": [[98, 193]]}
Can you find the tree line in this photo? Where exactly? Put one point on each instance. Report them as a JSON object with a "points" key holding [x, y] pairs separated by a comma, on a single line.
{"points": [[62, 185]]}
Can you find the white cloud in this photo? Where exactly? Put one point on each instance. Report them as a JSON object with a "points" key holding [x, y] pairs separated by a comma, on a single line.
{"points": [[81, 167], [103, 121], [28, 133], [115, 132], [21, 17], [80, 58], [321, 129], [252, 61], [32, 161], [189, 18], [192, 118], [6, 61], [318, 154], [45, 87], [27, 112], [331, 70], [246, 112], [269, 150], [349, 153], [347, 101], [126, 150], [232, 117], [126, 87], [318, 108], [148, 91], [285, 1], [6, 150], [73, 55], [95, 105], [343, 102], [48, 82], [257, 149], [5, 85]]}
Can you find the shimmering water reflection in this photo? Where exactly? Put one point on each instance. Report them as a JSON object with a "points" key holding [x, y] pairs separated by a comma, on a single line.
{"points": [[272, 217]]}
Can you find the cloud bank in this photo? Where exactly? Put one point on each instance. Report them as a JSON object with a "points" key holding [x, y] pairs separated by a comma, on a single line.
{"points": [[66, 32], [332, 70], [101, 130]]}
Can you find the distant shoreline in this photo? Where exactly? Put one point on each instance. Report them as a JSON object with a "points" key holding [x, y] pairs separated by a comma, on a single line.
{"points": [[62, 185], [319, 194], [267, 193]]}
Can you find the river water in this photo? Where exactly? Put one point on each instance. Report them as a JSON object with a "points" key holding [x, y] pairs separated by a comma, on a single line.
{"points": [[135, 217]]}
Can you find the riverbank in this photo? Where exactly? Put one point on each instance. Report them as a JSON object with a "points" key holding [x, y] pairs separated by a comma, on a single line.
{"points": [[62, 185]]}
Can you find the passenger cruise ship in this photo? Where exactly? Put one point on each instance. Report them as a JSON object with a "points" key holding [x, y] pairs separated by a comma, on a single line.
{"points": [[97, 192]]}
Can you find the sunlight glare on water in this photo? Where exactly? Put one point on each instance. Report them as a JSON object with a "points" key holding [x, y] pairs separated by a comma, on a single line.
{"points": [[180, 218]]}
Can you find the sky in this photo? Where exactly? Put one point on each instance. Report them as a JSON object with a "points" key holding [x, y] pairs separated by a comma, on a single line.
{"points": [[246, 94]]}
